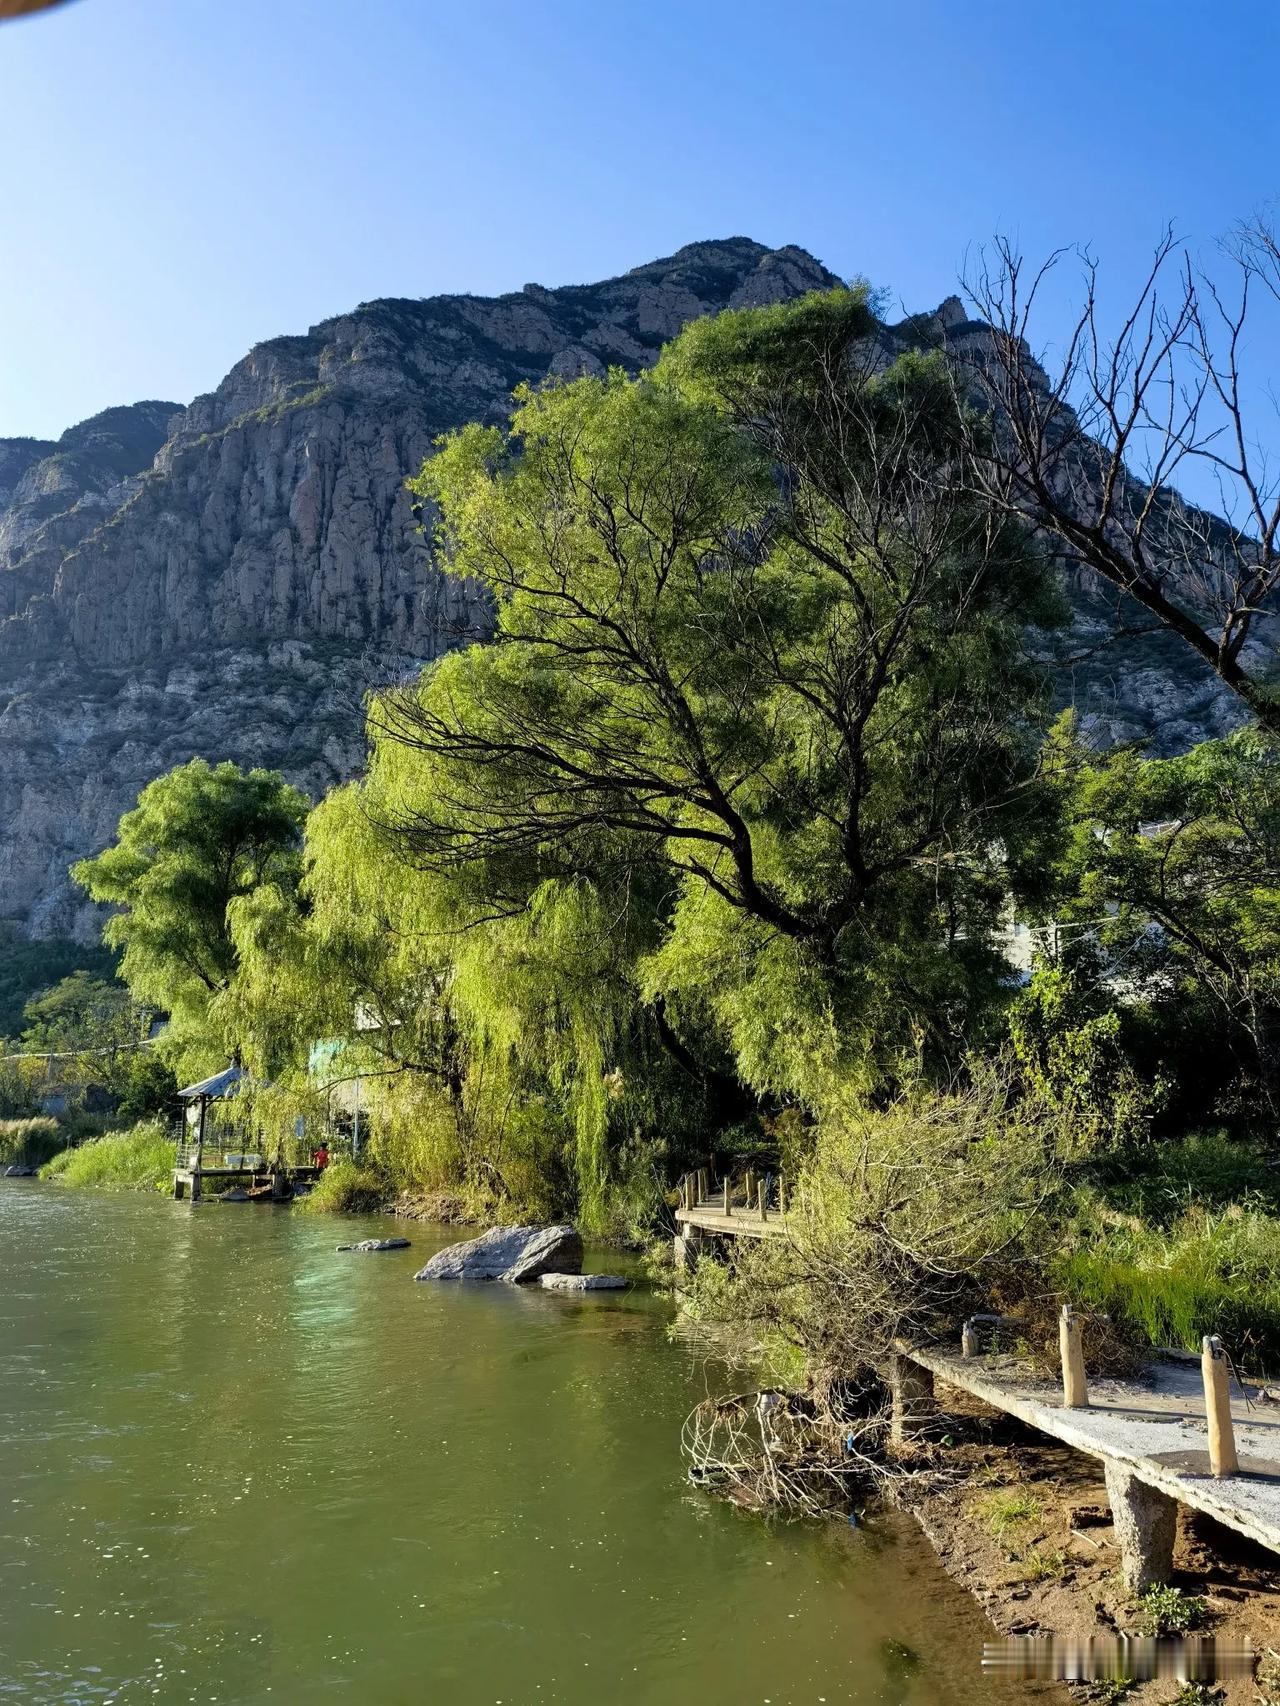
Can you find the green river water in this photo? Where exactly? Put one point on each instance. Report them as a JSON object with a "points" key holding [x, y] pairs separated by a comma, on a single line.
{"points": [[241, 1467]]}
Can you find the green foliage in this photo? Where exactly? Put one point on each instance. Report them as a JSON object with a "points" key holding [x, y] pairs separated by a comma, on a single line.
{"points": [[1208, 1272], [1067, 1042], [346, 1188], [29, 1141], [1167, 1610], [98, 1036], [140, 1159], [28, 968], [1177, 864], [199, 839]]}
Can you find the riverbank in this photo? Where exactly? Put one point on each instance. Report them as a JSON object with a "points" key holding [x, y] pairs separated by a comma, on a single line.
{"points": [[1027, 1531]]}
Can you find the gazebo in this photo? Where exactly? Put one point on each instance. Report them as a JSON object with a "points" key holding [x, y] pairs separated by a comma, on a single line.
{"points": [[216, 1089], [197, 1098], [190, 1170]]}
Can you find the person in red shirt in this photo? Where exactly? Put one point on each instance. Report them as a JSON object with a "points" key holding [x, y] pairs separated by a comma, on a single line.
{"points": [[321, 1157]]}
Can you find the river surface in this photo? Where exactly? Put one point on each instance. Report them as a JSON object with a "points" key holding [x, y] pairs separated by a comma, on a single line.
{"points": [[241, 1467]]}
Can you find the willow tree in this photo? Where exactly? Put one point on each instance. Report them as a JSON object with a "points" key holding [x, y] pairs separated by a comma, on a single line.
{"points": [[199, 839], [503, 1053], [757, 673]]}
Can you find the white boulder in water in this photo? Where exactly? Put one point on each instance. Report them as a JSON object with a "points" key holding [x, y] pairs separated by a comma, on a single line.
{"points": [[582, 1282]]}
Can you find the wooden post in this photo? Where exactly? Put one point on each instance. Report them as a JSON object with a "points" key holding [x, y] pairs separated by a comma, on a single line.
{"points": [[761, 1193], [1217, 1407], [727, 1208], [1075, 1390]]}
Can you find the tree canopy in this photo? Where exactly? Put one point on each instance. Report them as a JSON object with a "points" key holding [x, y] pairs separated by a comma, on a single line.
{"points": [[754, 643], [200, 838]]}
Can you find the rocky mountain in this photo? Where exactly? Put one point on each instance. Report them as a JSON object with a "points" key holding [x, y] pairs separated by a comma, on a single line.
{"points": [[224, 580]]}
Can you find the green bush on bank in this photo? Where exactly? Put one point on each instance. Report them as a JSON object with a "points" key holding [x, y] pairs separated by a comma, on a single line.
{"points": [[345, 1187], [139, 1159]]}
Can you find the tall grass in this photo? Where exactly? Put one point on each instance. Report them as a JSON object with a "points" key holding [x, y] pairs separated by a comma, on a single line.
{"points": [[30, 1141], [1210, 1271], [139, 1159]]}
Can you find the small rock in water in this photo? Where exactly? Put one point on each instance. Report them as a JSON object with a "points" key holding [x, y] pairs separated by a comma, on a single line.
{"points": [[377, 1244], [18, 1171], [583, 1282], [234, 1196]]}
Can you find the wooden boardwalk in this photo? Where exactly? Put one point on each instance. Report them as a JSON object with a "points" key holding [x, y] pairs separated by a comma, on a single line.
{"points": [[750, 1206]]}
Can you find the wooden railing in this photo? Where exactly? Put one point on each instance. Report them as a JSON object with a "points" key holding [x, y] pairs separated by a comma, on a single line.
{"points": [[748, 1195]]}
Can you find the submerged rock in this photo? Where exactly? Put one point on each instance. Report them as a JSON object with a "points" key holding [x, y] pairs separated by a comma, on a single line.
{"points": [[583, 1282], [377, 1244], [234, 1196], [514, 1254], [18, 1171]]}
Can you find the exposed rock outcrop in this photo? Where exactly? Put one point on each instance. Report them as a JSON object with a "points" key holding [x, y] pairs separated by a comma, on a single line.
{"points": [[515, 1254], [226, 580]]}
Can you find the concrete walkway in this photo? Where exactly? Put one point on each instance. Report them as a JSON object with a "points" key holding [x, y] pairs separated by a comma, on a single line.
{"points": [[1152, 1438]]}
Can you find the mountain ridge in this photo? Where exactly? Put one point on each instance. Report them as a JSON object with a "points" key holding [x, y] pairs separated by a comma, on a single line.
{"points": [[230, 596]]}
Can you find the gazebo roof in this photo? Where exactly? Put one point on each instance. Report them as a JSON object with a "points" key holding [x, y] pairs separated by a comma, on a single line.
{"points": [[224, 1083]]}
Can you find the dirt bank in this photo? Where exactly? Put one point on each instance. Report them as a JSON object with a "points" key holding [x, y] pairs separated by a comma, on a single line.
{"points": [[1026, 1529]]}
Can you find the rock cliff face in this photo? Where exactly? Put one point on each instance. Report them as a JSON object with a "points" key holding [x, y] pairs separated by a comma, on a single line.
{"points": [[224, 580]]}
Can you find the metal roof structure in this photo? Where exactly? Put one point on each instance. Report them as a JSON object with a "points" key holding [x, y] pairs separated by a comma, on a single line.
{"points": [[224, 1083]]}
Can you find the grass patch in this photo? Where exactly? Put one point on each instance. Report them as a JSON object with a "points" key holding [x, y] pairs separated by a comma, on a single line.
{"points": [[1042, 1565], [346, 1188], [1009, 1515], [140, 1159], [1209, 1272], [30, 1142]]}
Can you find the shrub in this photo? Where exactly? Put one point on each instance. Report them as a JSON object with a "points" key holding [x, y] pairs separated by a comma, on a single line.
{"points": [[907, 1219], [346, 1188], [30, 1141], [139, 1159]]}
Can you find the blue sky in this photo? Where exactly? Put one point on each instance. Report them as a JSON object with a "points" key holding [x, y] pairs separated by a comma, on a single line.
{"points": [[183, 178]]}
